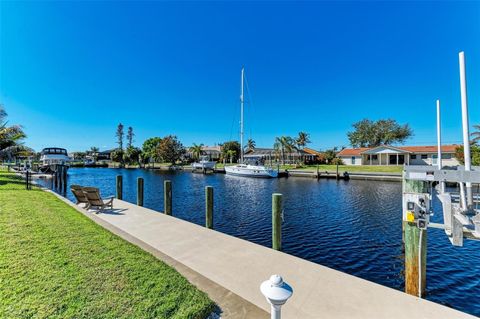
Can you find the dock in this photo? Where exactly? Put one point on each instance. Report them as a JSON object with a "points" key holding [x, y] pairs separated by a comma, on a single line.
{"points": [[234, 267], [393, 177]]}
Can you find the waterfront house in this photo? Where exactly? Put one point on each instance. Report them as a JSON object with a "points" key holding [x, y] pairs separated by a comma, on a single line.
{"points": [[268, 155], [393, 155]]}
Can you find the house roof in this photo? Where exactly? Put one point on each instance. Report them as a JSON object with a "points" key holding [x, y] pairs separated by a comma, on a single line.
{"points": [[411, 149], [312, 151], [352, 151]]}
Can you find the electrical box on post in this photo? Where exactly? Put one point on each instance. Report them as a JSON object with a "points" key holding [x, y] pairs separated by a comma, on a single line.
{"points": [[416, 208]]}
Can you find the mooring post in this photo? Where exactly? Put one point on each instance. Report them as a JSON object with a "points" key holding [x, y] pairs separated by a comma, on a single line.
{"points": [[209, 207], [277, 221], [56, 176], [415, 242], [60, 175], [338, 176], [64, 171], [26, 180], [140, 191], [119, 183], [167, 198], [318, 171]]}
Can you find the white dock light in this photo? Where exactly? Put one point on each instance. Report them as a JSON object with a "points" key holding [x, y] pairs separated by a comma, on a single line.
{"points": [[277, 293]]}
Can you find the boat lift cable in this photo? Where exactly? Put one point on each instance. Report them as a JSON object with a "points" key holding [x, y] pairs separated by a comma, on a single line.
{"points": [[420, 237]]}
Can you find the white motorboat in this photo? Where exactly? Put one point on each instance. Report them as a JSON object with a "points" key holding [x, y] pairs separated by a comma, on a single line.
{"points": [[247, 169], [52, 156], [204, 163]]}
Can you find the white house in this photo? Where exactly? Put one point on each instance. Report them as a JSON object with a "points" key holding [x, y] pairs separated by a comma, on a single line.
{"points": [[390, 155]]}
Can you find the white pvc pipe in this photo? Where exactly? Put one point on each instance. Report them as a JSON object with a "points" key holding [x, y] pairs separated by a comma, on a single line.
{"points": [[439, 145], [466, 133]]}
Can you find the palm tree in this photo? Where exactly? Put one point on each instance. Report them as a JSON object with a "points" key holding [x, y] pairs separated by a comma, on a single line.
{"points": [[231, 154], [284, 144], [476, 134], [196, 150], [302, 140], [9, 135], [94, 150], [250, 145]]}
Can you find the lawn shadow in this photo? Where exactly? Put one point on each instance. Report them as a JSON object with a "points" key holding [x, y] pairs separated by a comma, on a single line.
{"points": [[12, 181]]}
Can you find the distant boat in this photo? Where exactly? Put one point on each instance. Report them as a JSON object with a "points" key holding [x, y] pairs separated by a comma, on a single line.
{"points": [[204, 163], [248, 169], [51, 157]]}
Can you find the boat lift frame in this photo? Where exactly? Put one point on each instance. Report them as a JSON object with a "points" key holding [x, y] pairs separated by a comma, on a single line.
{"points": [[459, 220]]}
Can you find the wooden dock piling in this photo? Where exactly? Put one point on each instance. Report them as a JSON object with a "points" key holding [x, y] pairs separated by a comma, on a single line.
{"points": [[415, 271], [27, 180], [119, 183], [209, 207], [140, 191], [64, 178], [55, 177], [167, 198], [277, 221]]}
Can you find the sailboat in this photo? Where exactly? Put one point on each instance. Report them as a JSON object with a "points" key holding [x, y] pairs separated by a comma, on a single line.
{"points": [[247, 169]]}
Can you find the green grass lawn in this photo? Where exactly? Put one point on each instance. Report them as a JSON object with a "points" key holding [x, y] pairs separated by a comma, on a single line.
{"points": [[57, 263]]}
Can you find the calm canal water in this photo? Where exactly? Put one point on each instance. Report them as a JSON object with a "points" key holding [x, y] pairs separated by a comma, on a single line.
{"points": [[351, 226]]}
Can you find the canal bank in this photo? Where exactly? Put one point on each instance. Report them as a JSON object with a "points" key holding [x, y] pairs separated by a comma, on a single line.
{"points": [[240, 266], [316, 174], [352, 226]]}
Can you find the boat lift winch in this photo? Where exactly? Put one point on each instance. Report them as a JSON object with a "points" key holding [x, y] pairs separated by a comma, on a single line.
{"points": [[460, 220], [461, 216]]}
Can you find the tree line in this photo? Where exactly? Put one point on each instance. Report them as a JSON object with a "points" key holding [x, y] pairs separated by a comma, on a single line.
{"points": [[365, 133]]}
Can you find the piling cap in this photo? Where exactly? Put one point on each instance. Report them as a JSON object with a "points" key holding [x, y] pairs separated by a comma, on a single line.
{"points": [[276, 290]]}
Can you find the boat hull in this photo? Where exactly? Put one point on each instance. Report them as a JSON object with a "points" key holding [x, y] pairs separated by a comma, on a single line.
{"points": [[204, 165], [251, 171]]}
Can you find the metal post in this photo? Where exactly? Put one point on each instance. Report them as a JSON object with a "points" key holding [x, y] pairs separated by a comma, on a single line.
{"points": [[241, 116], [209, 207], [119, 182], [466, 134], [167, 198], [439, 146], [26, 180], [277, 221], [140, 191]]}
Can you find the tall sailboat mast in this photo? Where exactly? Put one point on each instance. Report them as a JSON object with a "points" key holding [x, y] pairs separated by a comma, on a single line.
{"points": [[241, 115]]}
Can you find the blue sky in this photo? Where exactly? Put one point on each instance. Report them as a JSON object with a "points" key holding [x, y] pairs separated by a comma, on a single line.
{"points": [[71, 71]]}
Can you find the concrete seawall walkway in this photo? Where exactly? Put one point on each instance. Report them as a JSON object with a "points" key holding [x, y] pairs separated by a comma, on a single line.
{"points": [[240, 267]]}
